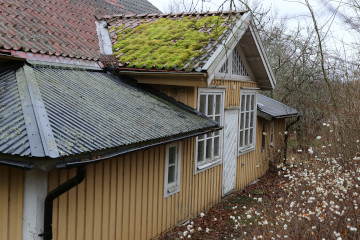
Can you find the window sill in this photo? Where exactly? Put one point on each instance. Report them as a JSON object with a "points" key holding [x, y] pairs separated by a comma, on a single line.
{"points": [[171, 191], [209, 164], [247, 150]]}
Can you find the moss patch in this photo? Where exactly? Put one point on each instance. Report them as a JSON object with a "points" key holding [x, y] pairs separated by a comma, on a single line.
{"points": [[166, 42]]}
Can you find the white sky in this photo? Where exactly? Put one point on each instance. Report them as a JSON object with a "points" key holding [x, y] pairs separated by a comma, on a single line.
{"points": [[296, 12]]}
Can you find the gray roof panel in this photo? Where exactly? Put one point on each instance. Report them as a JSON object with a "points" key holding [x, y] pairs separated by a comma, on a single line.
{"points": [[88, 111], [274, 108], [13, 134]]}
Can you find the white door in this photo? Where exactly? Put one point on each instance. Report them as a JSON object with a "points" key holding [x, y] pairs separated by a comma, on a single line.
{"points": [[230, 150]]}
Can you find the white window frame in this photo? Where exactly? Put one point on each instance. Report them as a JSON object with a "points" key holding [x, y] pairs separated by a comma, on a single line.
{"points": [[229, 59], [172, 188], [242, 124], [213, 161], [272, 134]]}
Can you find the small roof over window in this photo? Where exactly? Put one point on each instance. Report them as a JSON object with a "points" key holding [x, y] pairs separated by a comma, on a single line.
{"points": [[269, 108]]}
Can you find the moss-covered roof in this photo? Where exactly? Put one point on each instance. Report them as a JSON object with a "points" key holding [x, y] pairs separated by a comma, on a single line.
{"points": [[168, 42]]}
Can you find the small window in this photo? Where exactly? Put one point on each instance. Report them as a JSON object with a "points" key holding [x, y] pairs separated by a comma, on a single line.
{"points": [[247, 121], [209, 146], [272, 133], [172, 169], [263, 139]]}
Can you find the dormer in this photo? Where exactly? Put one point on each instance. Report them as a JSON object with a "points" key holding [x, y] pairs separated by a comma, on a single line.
{"points": [[187, 49]]}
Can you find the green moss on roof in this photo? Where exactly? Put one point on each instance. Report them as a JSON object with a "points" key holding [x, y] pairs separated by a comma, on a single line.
{"points": [[166, 42]]}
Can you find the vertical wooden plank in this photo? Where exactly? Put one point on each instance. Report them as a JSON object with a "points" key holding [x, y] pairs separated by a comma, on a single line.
{"points": [[133, 181], [113, 198], [98, 201], [4, 201], [106, 200], [162, 202], [80, 220], [145, 198], [126, 198], [139, 197], [119, 197], [72, 206], [16, 199], [89, 204], [150, 186], [53, 178], [63, 207], [156, 222], [20, 195]]}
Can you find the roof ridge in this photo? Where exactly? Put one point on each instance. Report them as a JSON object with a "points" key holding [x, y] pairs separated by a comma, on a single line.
{"points": [[168, 15], [36, 118]]}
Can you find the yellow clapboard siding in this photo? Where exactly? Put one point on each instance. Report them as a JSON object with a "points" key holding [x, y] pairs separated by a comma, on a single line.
{"points": [[132, 187]]}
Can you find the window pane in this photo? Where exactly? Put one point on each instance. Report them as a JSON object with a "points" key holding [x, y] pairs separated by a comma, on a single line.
{"points": [[246, 137], [251, 119], [242, 121], [241, 138], [171, 174], [242, 103], [201, 137], [172, 155], [216, 146], [209, 148], [202, 104], [217, 133], [210, 105], [252, 102], [209, 135], [247, 120], [200, 151], [217, 119], [247, 102], [251, 136], [218, 104]]}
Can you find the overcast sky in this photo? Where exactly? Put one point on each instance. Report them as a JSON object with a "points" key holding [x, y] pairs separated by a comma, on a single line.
{"points": [[296, 12]]}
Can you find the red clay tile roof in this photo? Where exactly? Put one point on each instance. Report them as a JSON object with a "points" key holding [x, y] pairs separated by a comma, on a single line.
{"points": [[59, 27], [180, 42]]}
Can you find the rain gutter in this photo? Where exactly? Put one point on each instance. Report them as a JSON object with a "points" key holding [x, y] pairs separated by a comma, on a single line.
{"points": [[22, 165]]}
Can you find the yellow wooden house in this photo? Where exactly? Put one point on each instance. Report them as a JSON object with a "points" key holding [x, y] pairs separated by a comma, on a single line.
{"points": [[179, 124]]}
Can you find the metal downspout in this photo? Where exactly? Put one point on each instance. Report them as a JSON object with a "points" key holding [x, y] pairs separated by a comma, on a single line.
{"points": [[51, 196]]}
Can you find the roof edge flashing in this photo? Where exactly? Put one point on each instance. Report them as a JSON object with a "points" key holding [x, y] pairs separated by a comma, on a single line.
{"points": [[104, 38]]}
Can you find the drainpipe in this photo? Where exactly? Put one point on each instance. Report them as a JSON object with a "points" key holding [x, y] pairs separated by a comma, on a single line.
{"points": [[51, 196], [286, 137]]}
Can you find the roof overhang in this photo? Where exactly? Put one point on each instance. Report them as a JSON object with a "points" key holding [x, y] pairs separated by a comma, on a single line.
{"points": [[187, 79], [270, 117], [244, 33]]}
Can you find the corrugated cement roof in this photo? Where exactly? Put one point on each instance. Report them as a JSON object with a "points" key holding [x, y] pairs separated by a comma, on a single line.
{"points": [[13, 134], [90, 111], [274, 108]]}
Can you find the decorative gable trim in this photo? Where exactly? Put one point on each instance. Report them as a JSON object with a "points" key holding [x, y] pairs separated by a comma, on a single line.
{"points": [[228, 62], [223, 51], [241, 29]]}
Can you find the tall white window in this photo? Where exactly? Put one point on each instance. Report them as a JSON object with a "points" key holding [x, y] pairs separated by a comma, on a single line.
{"points": [[209, 146], [172, 169], [247, 121], [272, 133]]}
